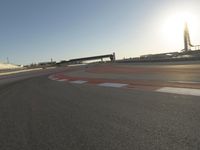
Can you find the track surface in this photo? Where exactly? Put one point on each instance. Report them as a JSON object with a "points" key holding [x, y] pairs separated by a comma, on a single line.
{"points": [[40, 114]]}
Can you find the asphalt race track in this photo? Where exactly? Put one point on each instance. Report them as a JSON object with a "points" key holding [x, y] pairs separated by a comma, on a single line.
{"points": [[72, 109]]}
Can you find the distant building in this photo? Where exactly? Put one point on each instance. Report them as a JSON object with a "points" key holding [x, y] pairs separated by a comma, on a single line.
{"points": [[46, 63]]}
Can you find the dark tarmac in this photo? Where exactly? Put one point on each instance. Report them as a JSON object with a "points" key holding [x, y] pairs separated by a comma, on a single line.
{"points": [[40, 114]]}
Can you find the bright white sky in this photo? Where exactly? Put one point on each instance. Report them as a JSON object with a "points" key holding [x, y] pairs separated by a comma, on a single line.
{"points": [[35, 31]]}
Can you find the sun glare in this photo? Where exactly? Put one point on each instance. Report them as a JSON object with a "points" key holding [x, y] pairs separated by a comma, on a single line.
{"points": [[174, 26]]}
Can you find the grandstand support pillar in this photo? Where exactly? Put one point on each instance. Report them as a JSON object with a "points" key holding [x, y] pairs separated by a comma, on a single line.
{"points": [[112, 58]]}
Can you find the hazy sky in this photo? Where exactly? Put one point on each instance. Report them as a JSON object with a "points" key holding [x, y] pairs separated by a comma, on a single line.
{"points": [[38, 30]]}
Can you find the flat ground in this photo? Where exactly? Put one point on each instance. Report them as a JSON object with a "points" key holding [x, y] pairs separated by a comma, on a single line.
{"points": [[107, 106]]}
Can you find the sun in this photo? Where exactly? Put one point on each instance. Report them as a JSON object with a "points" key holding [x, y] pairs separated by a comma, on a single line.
{"points": [[173, 27]]}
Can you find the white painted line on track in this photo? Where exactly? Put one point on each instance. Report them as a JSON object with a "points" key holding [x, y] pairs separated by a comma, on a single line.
{"points": [[116, 85], [183, 91], [77, 65], [79, 82], [62, 80], [187, 82]]}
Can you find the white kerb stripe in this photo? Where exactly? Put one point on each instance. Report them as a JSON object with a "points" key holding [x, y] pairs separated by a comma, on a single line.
{"points": [[183, 91], [117, 85], [78, 82], [62, 80], [192, 82]]}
